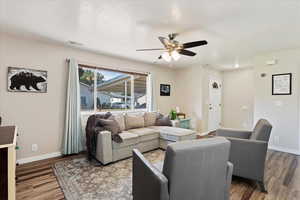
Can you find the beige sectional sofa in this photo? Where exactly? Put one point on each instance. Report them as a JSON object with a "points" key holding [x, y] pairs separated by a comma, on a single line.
{"points": [[138, 131]]}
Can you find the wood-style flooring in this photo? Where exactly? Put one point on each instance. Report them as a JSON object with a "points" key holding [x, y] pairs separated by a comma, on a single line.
{"points": [[36, 181]]}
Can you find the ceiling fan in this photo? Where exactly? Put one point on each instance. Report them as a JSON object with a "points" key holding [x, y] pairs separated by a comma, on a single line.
{"points": [[173, 49]]}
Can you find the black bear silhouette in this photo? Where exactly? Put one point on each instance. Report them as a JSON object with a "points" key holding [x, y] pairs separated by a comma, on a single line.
{"points": [[27, 79]]}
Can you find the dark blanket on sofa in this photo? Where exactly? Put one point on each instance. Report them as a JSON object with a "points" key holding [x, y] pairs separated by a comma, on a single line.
{"points": [[92, 129]]}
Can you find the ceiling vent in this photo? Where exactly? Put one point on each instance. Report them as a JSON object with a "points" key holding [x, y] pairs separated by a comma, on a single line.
{"points": [[74, 43]]}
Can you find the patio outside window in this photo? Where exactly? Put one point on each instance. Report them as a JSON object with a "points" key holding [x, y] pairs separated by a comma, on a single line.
{"points": [[106, 90]]}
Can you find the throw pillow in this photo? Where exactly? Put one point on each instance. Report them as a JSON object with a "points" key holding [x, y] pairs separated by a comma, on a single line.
{"points": [[150, 118], [163, 121], [134, 121], [121, 121]]}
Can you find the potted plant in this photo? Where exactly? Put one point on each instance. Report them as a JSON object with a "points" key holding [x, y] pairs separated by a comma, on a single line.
{"points": [[173, 114]]}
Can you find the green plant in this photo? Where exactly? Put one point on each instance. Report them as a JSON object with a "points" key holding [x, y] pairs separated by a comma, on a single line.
{"points": [[173, 114]]}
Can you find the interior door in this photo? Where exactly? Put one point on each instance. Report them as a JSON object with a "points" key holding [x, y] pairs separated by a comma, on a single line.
{"points": [[215, 103]]}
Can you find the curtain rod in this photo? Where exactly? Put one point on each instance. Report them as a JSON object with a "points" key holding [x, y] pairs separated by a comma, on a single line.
{"points": [[109, 68]]}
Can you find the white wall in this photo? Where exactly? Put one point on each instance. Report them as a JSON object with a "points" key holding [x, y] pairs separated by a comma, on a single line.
{"points": [[246, 87], [238, 99], [40, 117], [281, 111], [192, 85], [189, 94]]}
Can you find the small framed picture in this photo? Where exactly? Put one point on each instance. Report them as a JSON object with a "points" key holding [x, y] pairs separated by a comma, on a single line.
{"points": [[26, 80], [282, 84], [165, 90]]}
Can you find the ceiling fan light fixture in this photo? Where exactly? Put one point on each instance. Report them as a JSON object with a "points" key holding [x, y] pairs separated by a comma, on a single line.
{"points": [[175, 55], [174, 49], [166, 56]]}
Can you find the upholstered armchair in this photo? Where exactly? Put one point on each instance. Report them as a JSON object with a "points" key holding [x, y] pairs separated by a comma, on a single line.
{"points": [[192, 170], [248, 151]]}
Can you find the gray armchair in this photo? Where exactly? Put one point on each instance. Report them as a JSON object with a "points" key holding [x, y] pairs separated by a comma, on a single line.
{"points": [[248, 151], [192, 170]]}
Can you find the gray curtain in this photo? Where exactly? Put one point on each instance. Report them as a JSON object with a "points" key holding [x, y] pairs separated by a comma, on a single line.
{"points": [[72, 137]]}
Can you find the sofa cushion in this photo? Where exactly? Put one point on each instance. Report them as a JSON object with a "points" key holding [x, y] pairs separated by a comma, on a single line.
{"points": [[128, 139], [134, 121], [121, 120], [145, 134], [150, 118], [174, 133]]}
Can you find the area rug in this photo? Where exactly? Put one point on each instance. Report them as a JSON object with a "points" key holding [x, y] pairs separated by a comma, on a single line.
{"points": [[79, 179]]}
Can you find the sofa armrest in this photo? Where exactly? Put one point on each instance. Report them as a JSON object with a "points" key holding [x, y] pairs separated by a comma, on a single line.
{"points": [[147, 181], [234, 133], [104, 147], [248, 157], [228, 180]]}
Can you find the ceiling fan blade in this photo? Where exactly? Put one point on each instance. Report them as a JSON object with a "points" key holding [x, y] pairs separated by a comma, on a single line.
{"points": [[165, 41], [157, 49], [194, 44], [186, 52]]}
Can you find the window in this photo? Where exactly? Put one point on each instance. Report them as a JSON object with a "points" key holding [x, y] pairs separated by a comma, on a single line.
{"points": [[113, 91], [86, 80], [140, 92], [83, 101], [104, 90]]}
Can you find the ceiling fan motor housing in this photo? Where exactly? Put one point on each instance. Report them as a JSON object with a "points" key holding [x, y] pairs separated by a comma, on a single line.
{"points": [[172, 36]]}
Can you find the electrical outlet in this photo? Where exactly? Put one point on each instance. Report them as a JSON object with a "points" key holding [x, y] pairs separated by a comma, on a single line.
{"points": [[34, 147]]}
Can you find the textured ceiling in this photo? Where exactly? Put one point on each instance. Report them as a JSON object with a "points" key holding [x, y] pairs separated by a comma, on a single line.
{"points": [[235, 30]]}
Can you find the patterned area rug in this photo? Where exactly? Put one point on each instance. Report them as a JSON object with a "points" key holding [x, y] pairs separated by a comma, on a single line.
{"points": [[81, 180]]}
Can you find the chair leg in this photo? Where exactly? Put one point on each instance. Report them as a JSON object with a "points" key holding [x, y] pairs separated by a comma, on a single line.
{"points": [[262, 187]]}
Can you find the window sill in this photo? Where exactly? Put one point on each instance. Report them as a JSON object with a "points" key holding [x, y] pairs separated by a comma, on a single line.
{"points": [[113, 112]]}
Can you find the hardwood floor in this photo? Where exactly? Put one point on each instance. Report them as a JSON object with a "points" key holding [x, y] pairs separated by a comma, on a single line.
{"points": [[36, 181]]}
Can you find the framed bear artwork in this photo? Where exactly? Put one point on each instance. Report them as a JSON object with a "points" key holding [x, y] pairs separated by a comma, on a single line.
{"points": [[26, 80]]}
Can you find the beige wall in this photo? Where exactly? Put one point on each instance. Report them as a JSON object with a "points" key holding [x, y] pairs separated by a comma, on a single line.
{"points": [[281, 111], [247, 88], [238, 99], [40, 117], [192, 94], [189, 97]]}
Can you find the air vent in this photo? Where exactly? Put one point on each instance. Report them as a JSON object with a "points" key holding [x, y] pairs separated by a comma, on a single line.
{"points": [[74, 43]]}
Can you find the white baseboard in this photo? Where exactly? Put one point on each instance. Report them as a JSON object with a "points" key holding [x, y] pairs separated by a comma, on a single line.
{"points": [[285, 150], [40, 157]]}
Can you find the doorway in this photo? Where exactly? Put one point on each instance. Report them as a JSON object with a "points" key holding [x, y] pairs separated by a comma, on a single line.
{"points": [[214, 103]]}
